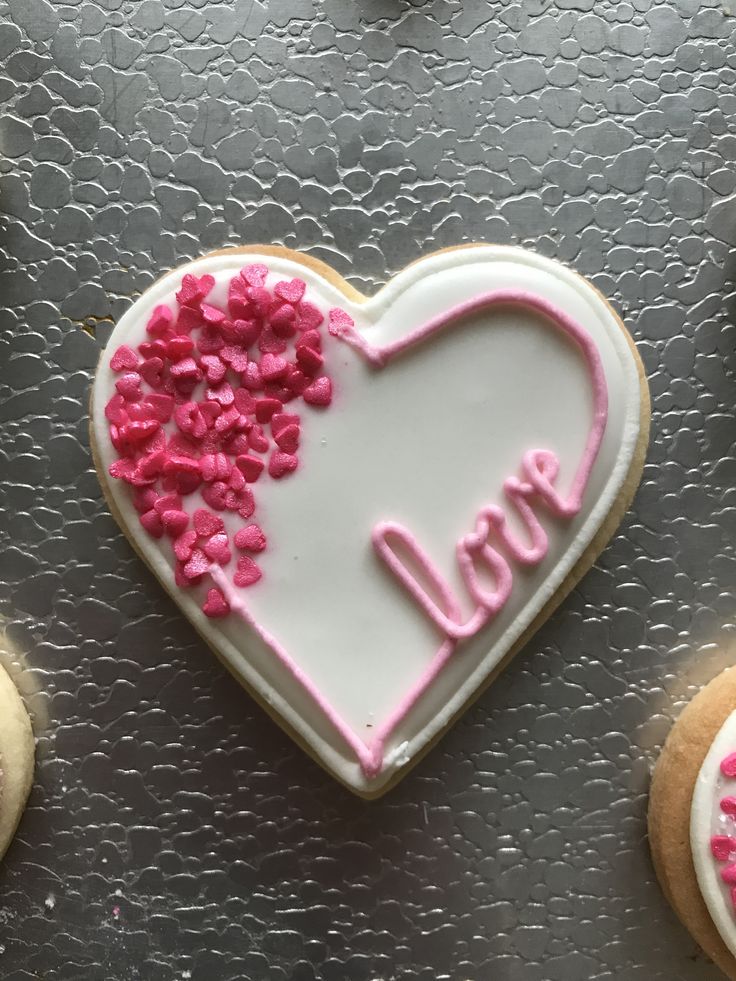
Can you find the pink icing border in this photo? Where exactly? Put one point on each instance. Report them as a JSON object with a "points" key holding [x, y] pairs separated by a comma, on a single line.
{"points": [[540, 468]]}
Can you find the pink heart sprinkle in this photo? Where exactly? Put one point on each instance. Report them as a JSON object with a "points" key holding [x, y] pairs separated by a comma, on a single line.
{"points": [[217, 549], [281, 420], [271, 343], [319, 393], [250, 539], [144, 500], [721, 846], [254, 274], [247, 503], [310, 316], [729, 874], [184, 545], [169, 502], [115, 410], [175, 522], [197, 565], [340, 323], [251, 377], [728, 805], [179, 347], [297, 381], [312, 338], [159, 321], [214, 367], [162, 405], [123, 359], [129, 386], [207, 524], [250, 466], [257, 440], [211, 315], [291, 291], [151, 370], [728, 765], [282, 464], [214, 495], [223, 394], [273, 367], [216, 606], [210, 341], [265, 408], [310, 361], [287, 439], [248, 572], [151, 521]]}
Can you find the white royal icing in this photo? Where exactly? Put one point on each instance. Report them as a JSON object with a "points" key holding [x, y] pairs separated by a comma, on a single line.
{"points": [[706, 820], [427, 441]]}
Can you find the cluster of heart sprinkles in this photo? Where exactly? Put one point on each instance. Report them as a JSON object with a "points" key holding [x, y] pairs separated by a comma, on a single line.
{"points": [[723, 847], [200, 405]]}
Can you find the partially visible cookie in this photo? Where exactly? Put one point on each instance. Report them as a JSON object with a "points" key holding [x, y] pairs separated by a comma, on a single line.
{"points": [[692, 819], [17, 750]]}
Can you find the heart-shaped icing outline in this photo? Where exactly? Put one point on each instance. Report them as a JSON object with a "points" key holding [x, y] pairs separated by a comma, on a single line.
{"points": [[370, 755]]}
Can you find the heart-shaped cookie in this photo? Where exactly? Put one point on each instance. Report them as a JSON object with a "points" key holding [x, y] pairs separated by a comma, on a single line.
{"points": [[366, 505]]}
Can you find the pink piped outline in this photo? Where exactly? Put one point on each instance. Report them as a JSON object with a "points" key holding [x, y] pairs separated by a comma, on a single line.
{"points": [[538, 465]]}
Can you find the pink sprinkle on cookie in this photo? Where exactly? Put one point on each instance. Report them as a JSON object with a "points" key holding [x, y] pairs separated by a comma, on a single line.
{"points": [[124, 359], [265, 408], [250, 539], [340, 323], [151, 521], [291, 291], [319, 393], [217, 549], [197, 565], [184, 545], [190, 406], [273, 367], [250, 466], [254, 274], [281, 420], [207, 524], [287, 439], [282, 464], [729, 874], [175, 522], [248, 572], [728, 805], [216, 606], [310, 361], [721, 846], [160, 321], [728, 765]]}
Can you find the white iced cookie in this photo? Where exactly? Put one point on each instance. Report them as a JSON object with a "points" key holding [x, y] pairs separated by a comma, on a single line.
{"points": [[366, 505], [692, 819], [16, 759]]}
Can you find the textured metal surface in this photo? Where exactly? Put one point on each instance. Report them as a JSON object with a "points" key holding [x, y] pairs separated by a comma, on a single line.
{"points": [[173, 831]]}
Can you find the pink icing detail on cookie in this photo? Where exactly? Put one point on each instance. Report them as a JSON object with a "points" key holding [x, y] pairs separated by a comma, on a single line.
{"points": [[722, 847], [436, 598]]}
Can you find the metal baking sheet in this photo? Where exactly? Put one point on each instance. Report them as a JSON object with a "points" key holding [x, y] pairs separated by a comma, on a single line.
{"points": [[173, 831]]}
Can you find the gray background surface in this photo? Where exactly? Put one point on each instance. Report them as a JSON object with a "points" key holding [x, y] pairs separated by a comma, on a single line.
{"points": [[173, 831]]}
